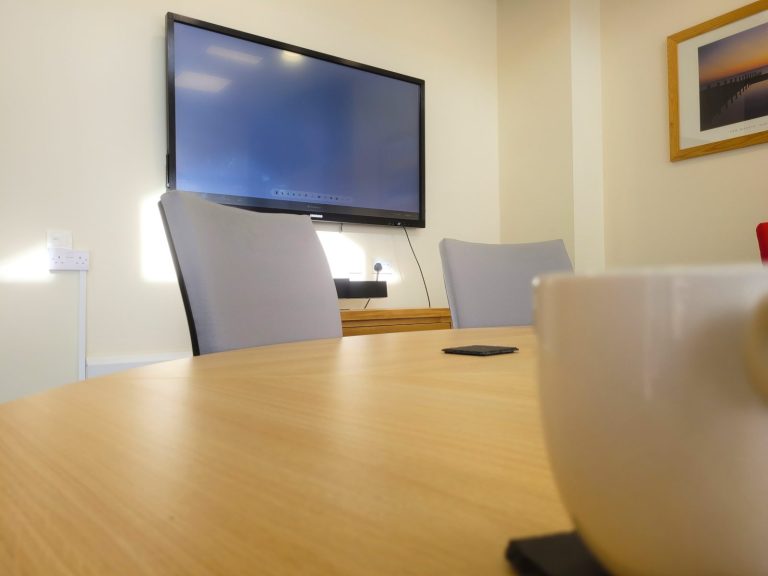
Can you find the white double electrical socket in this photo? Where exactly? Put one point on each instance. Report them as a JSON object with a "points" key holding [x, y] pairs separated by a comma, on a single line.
{"points": [[386, 267], [66, 259]]}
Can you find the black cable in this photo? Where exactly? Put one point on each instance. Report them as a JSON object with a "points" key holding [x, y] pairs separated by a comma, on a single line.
{"points": [[429, 302], [376, 267]]}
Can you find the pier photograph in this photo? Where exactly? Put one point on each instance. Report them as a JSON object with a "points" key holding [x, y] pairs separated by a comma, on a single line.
{"points": [[718, 83], [733, 78]]}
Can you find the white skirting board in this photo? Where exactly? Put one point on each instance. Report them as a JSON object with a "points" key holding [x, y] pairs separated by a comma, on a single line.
{"points": [[101, 366]]}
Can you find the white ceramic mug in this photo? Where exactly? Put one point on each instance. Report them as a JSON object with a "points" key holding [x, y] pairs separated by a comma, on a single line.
{"points": [[654, 397]]}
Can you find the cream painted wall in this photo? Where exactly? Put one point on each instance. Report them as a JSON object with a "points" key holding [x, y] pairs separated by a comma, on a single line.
{"points": [[702, 210], [82, 142], [656, 212], [535, 138], [587, 137]]}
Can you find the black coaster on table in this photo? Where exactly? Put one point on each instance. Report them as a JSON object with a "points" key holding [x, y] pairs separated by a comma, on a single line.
{"points": [[563, 554]]}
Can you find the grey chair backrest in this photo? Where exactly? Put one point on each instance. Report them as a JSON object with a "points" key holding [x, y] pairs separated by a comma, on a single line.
{"points": [[491, 284], [248, 278]]}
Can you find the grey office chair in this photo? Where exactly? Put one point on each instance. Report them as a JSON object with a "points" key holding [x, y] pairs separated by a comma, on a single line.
{"points": [[490, 284], [247, 278]]}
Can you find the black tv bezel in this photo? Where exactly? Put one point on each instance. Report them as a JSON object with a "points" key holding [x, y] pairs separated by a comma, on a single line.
{"points": [[321, 213]]}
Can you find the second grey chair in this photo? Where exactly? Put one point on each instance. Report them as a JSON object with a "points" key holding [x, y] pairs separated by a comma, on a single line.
{"points": [[491, 284], [248, 278]]}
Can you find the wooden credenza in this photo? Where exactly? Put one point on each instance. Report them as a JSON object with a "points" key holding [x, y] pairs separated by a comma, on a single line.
{"points": [[380, 321]]}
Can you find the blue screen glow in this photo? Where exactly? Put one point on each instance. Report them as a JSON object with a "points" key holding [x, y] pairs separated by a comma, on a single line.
{"points": [[258, 125]]}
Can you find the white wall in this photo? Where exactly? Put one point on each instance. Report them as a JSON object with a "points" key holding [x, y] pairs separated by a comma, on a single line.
{"points": [[587, 137], [535, 128], [82, 142], [702, 210], [649, 211]]}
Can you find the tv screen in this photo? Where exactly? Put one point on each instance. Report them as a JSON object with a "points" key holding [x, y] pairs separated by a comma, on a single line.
{"points": [[265, 125]]}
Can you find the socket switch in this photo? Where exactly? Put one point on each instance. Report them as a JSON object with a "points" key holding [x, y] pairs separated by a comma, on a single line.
{"points": [[59, 239], [64, 259]]}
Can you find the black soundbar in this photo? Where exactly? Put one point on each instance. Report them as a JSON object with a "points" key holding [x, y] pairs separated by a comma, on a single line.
{"points": [[347, 288]]}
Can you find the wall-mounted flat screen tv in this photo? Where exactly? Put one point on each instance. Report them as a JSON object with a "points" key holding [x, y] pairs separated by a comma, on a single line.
{"points": [[265, 125]]}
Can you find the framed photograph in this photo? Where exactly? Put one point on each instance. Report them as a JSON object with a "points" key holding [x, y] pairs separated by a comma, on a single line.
{"points": [[718, 83]]}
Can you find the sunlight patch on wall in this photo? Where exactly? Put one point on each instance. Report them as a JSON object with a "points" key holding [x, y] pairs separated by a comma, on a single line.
{"points": [[156, 261], [345, 257], [28, 266]]}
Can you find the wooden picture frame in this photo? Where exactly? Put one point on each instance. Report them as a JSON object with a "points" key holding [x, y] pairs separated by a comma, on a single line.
{"points": [[718, 83]]}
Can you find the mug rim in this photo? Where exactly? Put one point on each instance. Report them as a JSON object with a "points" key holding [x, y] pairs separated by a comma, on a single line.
{"points": [[742, 270]]}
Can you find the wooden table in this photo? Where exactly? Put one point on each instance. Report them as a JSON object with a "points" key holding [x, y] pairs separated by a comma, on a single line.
{"points": [[364, 455]]}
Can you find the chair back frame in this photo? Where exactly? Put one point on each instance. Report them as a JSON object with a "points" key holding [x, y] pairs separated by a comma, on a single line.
{"points": [[182, 285]]}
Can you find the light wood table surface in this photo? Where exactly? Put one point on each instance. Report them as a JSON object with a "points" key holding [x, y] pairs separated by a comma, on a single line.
{"points": [[363, 455]]}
